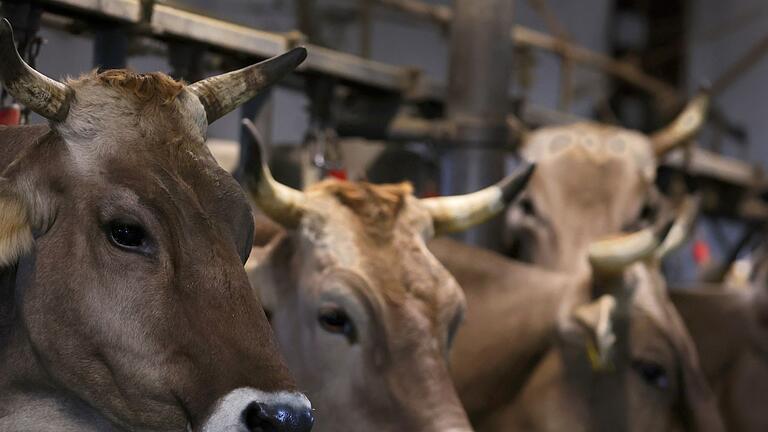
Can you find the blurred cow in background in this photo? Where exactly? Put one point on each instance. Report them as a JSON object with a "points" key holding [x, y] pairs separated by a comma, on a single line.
{"points": [[591, 181], [729, 324], [599, 348], [363, 311], [594, 180]]}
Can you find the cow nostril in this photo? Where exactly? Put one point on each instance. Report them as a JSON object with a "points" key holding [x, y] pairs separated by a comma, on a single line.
{"points": [[261, 417]]}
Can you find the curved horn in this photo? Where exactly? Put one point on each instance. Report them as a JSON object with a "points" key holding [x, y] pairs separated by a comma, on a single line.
{"points": [[41, 94], [684, 127], [681, 228], [223, 93], [281, 203], [459, 212], [613, 255]]}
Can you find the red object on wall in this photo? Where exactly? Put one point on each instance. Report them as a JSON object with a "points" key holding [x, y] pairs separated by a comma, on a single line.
{"points": [[701, 252], [338, 174], [10, 116]]}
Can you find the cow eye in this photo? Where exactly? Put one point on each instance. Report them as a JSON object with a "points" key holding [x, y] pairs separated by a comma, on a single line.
{"points": [[126, 235], [526, 205], [652, 373], [647, 213], [335, 320]]}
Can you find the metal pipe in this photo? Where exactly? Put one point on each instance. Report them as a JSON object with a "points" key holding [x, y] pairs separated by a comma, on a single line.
{"points": [[479, 80]]}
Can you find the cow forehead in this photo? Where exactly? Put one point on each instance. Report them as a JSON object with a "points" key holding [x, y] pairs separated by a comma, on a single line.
{"points": [[108, 117], [395, 264], [146, 132], [594, 142]]}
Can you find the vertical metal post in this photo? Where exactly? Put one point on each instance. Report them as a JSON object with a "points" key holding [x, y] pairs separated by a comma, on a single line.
{"points": [[366, 27], [478, 94], [110, 46], [186, 60]]}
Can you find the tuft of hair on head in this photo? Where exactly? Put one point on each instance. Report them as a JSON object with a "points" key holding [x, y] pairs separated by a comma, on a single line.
{"points": [[377, 205], [146, 87], [15, 234]]}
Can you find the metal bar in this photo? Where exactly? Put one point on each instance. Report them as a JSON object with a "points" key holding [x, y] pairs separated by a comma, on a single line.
{"points": [[172, 22], [123, 10], [477, 100], [704, 163], [366, 28], [755, 54], [353, 68], [168, 21]]}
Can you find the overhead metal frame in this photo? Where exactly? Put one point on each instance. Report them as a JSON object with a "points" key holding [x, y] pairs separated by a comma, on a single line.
{"points": [[165, 22]]}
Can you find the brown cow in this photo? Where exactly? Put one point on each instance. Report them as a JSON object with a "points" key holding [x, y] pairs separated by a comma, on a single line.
{"points": [[595, 349], [730, 328], [124, 304], [364, 313], [591, 181]]}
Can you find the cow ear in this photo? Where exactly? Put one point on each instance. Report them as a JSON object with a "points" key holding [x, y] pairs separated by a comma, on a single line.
{"points": [[15, 228], [597, 319]]}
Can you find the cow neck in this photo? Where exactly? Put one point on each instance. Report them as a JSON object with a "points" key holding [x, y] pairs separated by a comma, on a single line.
{"points": [[16, 353]]}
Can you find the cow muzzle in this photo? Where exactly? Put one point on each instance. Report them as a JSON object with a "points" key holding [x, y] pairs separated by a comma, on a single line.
{"points": [[251, 410]]}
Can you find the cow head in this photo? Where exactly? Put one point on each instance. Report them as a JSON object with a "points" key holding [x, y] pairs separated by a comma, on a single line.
{"points": [[591, 181], [624, 345], [364, 312], [597, 349], [129, 242]]}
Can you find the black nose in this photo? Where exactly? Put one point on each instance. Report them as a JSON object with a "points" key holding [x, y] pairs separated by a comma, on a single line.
{"points": [[262, 417]]}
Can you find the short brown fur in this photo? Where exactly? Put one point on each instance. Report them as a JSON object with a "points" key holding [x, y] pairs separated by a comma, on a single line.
{"points": [[377, 205], [145, 87]]}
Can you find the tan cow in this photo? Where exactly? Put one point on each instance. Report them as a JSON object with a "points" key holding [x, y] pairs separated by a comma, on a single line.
{"points": [[599, 348], [591, 181], [363, 312]]}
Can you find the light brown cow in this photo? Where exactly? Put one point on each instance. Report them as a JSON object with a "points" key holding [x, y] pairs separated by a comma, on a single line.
{"points": [[364, 313], [595, 349], [730, 328], [591, 181], [124, 305]]}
